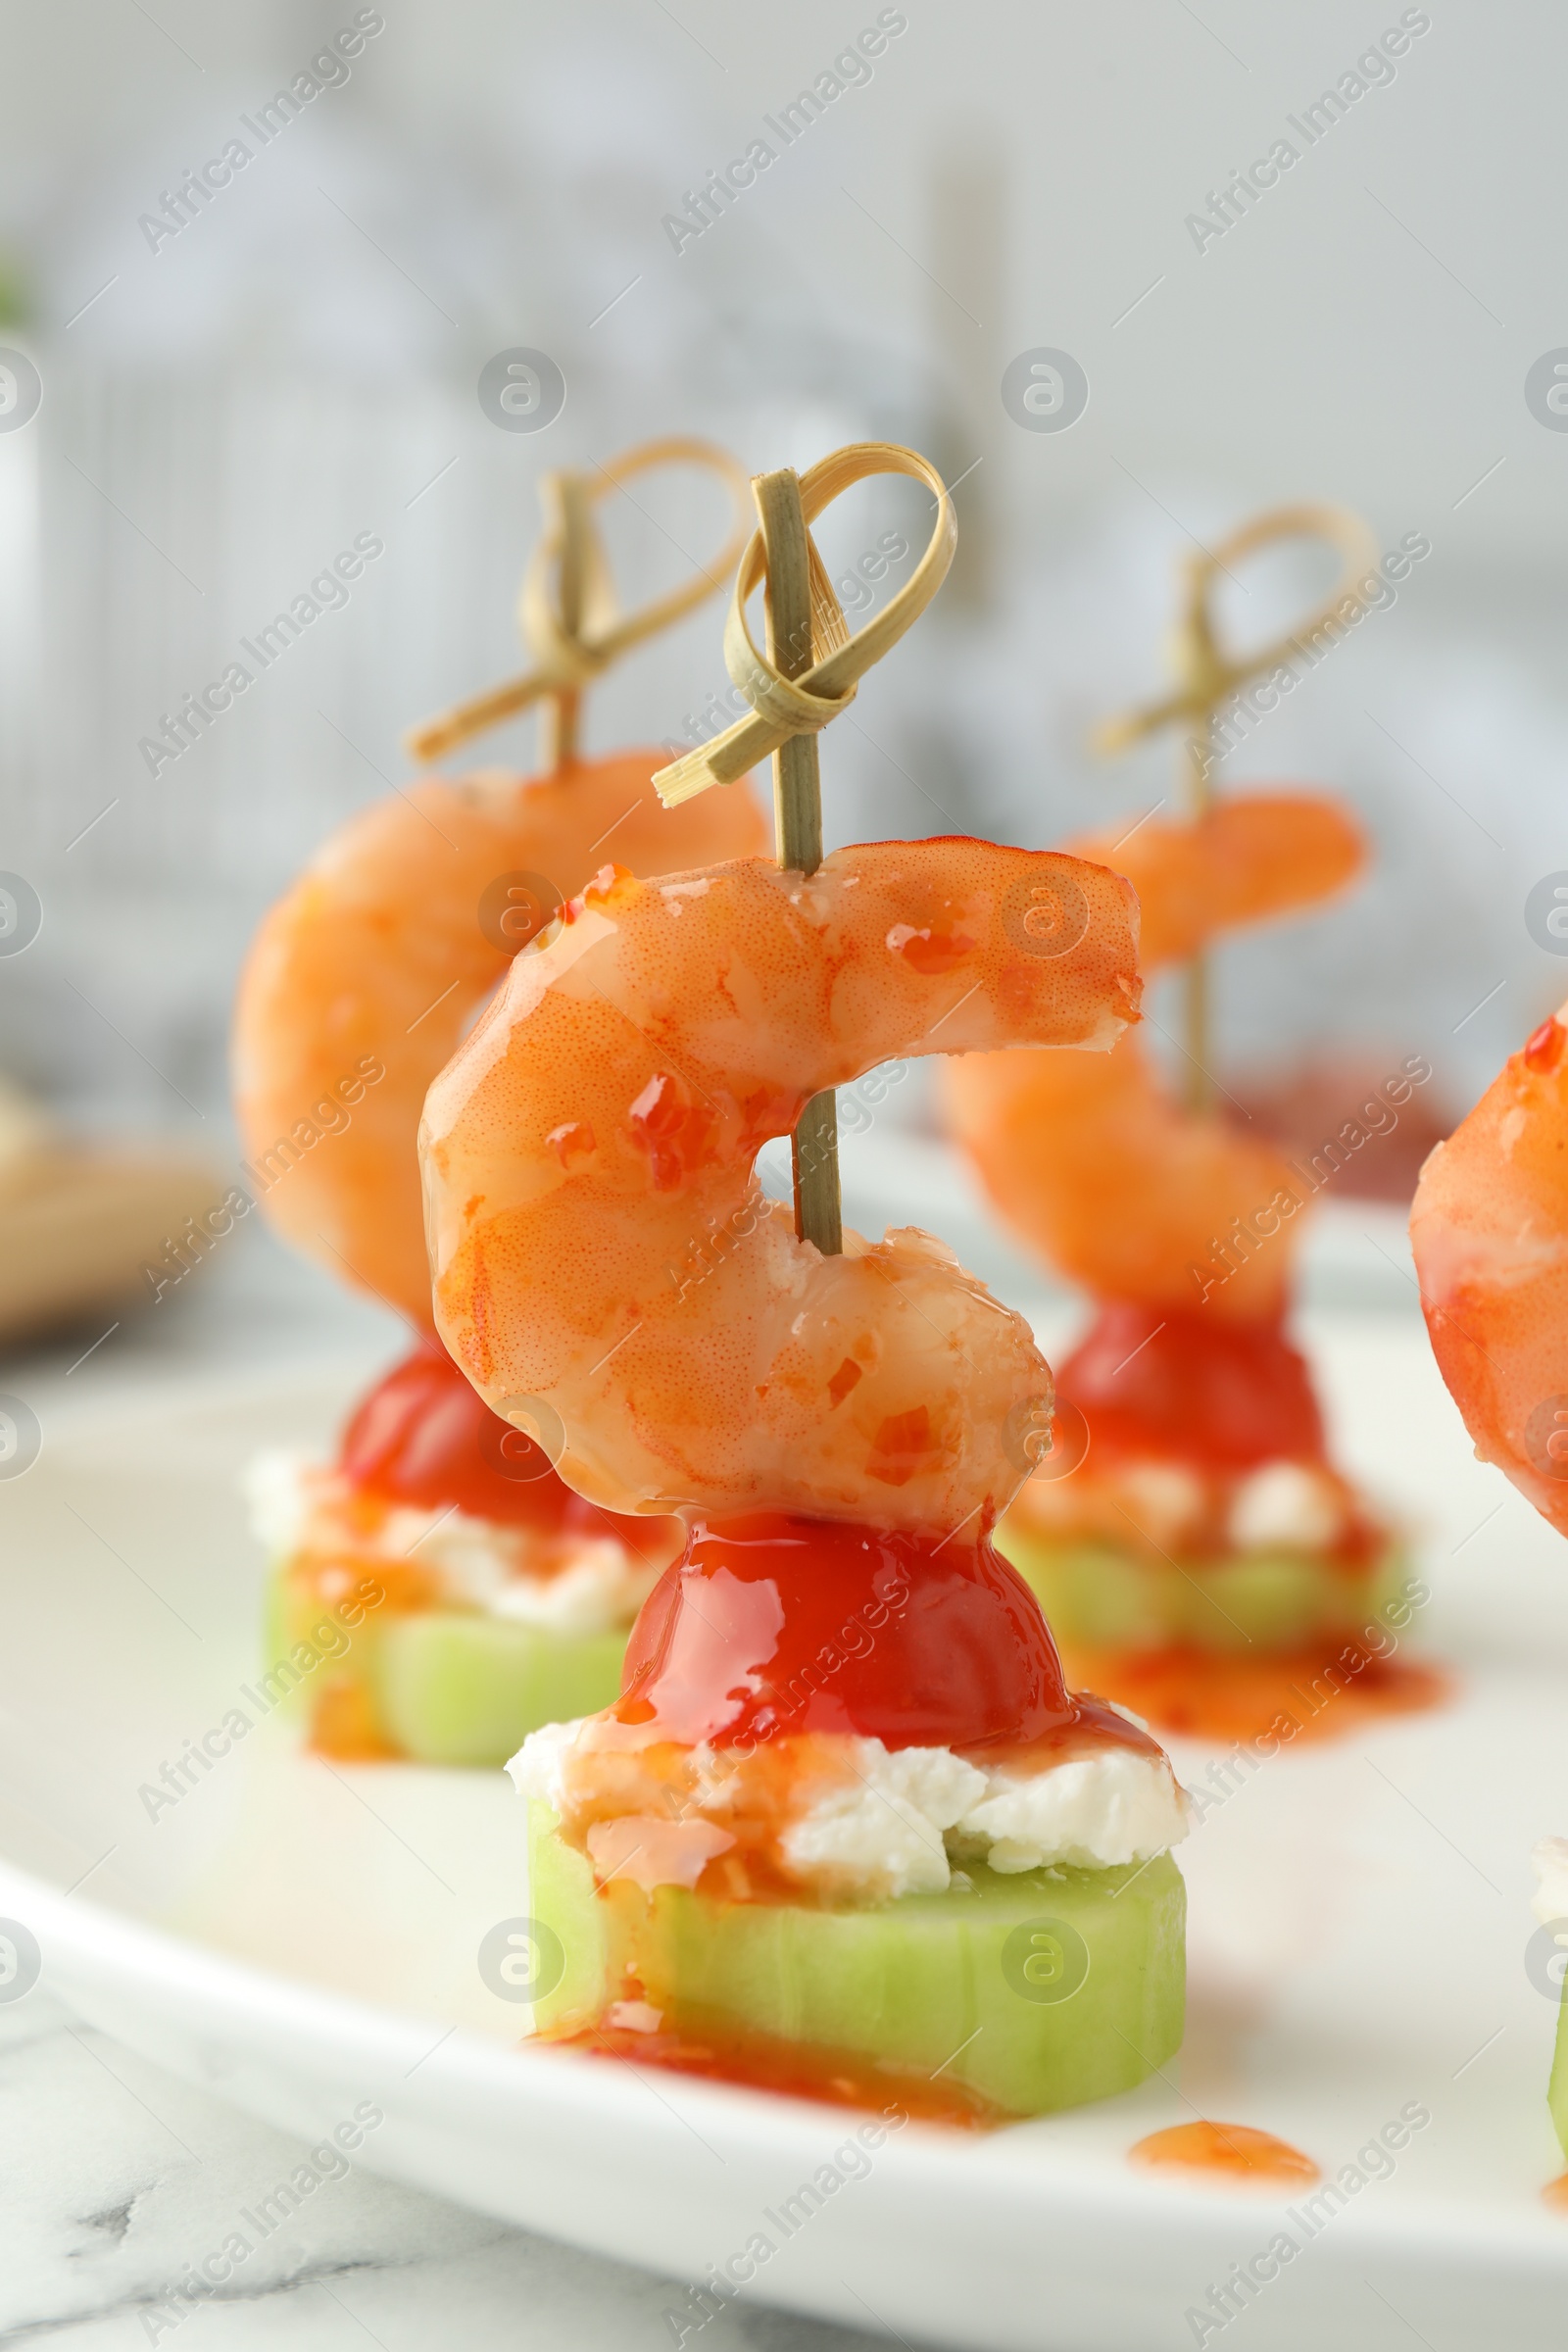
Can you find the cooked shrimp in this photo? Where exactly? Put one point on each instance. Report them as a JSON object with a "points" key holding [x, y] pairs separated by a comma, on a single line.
{"points": [[1489, 1231], [405, 920], [377, 952], [1094, 1162], [607, 1111]]}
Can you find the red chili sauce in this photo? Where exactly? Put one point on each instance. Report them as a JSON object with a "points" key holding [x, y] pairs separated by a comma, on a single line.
{"points": [[1239, 2151], [776, 1624], [424, 1436], [1179, 1382]]}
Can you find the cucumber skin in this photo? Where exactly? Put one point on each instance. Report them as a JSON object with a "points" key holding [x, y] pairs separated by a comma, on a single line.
{"points": [[1557, 2087], [453, 1686], [457, 1688], [901, 1983], [1098, 1597]]}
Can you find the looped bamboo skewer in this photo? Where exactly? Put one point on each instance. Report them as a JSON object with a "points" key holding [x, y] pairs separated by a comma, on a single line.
{"points": [[804, 701], [1207, 676], [809, 675], [567, 610]]}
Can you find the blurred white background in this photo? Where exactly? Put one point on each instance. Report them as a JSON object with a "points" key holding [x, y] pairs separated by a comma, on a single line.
{"points": [[299, 364]]}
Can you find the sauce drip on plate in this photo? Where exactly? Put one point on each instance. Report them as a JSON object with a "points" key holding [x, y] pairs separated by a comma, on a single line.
{"points": [[1285, 1698], [795, 2070], [1238, 2151]]}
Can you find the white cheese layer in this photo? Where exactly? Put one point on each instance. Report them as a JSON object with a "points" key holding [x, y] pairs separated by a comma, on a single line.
{"points": [[1284, 1504], [1111, 1805], [1549, 1857], [276, 1486], [883, 1830], [599, 1585], [894, 1821]]}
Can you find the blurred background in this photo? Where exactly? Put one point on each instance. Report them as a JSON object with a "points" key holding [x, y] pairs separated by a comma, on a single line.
{"points": [[211, 388]]}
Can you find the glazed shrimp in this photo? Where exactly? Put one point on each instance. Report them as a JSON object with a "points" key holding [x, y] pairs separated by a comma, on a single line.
{"points": [[1094, 1162], [608, 1107], [1490, 1229], [408, 916], [377, 952]]}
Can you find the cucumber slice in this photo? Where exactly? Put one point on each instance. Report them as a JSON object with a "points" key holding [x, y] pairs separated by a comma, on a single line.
{"points": [[445, 1686], [1098, 1597], [1035, 1991], [457, 1688], [1557, 2087]]}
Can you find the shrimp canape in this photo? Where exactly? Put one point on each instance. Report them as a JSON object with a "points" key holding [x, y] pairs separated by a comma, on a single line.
{"points": [[844, 1829], [508, 1596], [1186, 1528]]}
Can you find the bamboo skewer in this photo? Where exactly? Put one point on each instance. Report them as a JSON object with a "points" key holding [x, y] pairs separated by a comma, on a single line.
{"points": [[798, 826], [568, 613], [809, 675], [1206, 677], [557, 726], [1197, 1079]]}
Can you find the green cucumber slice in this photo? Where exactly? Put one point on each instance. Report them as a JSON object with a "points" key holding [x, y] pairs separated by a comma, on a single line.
{"points": [[1557, 2087], [1035, 1991], [1102, 1599], [457, 1688], [449, 1685]]}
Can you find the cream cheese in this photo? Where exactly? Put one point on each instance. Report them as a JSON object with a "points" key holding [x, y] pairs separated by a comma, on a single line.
{"points": [[883, 1830], [578, 1585], [277, 1487], [1285, 1506], [1549, 1857], [887, 1822]]}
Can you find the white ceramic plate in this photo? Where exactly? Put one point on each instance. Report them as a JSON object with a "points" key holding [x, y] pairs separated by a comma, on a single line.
{"points": [[304, 1939]]}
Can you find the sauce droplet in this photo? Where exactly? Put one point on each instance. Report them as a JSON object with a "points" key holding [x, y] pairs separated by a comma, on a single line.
{"points": [[1239, 2151], [1555, 2193], [1544, 1050]]}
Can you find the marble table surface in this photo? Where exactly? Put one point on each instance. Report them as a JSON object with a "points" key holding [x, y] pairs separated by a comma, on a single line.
{"points": [[114, 2175]]}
